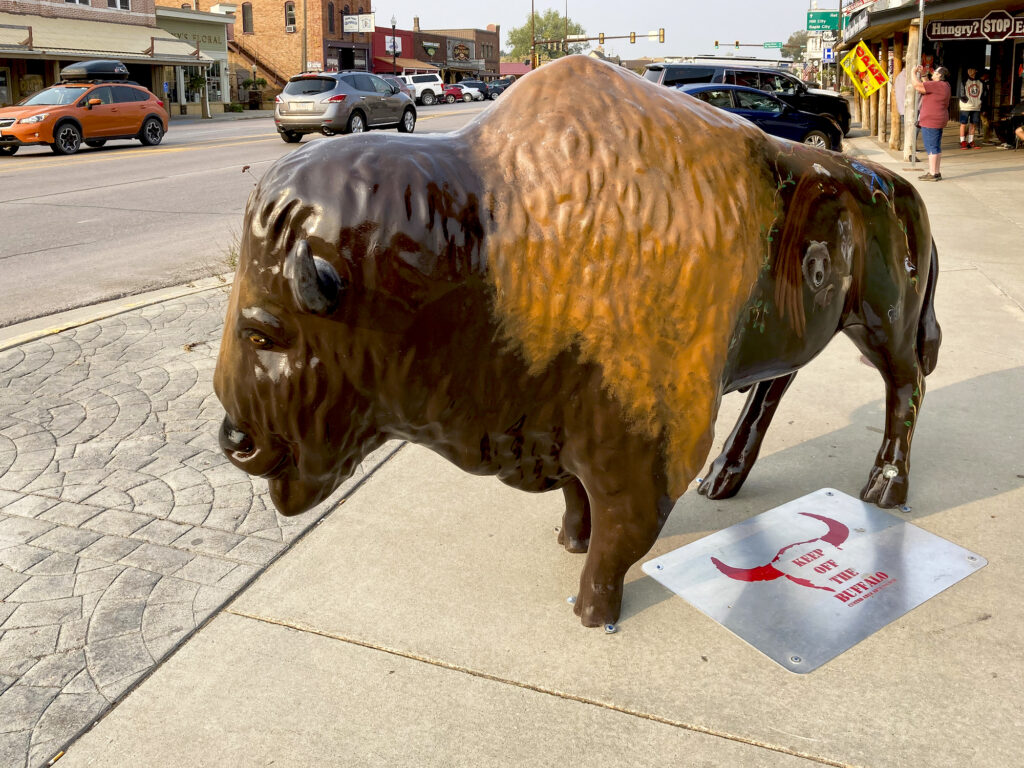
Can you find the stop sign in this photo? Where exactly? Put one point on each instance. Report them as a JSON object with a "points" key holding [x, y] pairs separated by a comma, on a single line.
{"points": [[996, 25]]}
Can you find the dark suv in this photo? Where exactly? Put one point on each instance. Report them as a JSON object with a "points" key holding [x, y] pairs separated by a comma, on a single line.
{"points": [[782, 84]]}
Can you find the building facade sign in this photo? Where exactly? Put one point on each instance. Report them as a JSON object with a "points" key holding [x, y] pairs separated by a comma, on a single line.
{"points": [[994, 27], [459, 51]]}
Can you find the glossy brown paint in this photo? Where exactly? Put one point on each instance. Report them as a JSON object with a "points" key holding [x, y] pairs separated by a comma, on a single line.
{"points": [[559, 304]]}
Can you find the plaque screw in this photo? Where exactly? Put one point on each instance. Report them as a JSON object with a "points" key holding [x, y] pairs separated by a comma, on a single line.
{"points": [[571, 600], [972, 558], [904, 508], [829, 493], [659, 567], [796, 659], [610, 629]]}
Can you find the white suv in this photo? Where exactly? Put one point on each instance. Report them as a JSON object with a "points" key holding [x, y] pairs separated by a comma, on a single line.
{"points": [[426, 89]]}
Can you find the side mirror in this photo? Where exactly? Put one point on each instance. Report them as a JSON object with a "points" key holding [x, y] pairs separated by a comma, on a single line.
{"points": [[395, 89], [94, 102]]}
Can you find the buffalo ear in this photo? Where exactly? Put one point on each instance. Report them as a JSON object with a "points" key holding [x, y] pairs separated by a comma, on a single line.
{"points": [[315, 284]]}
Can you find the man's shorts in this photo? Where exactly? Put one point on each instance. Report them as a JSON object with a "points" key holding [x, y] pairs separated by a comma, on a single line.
{"points": [[970, 116], [932, 140]]}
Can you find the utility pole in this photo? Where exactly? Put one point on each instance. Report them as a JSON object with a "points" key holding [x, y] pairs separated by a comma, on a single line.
{"points": [[305, 60], [533, 38]]}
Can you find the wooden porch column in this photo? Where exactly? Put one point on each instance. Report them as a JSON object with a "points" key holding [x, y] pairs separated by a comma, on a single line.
{"points": [[883, 100], [897, 66], [910, 135]]}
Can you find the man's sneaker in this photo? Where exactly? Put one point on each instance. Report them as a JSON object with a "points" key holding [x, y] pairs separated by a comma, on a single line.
{"points": [[926, 177], [929, 177], [970, 145], [963, 145]]}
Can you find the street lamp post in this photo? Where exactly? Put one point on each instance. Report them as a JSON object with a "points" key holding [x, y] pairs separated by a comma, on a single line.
{"points": [[394, 47]]}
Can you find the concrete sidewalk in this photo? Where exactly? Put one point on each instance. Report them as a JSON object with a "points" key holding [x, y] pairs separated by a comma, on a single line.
{"points": [[425, 622]]}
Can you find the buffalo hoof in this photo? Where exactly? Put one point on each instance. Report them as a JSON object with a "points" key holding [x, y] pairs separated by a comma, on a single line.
{"points": [[598, 609], [723, 480], [887, 487], [572, 543]]}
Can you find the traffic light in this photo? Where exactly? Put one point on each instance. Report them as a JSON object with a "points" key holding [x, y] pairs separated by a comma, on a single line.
{"points": [[661, 35], [600, 38], [716, 45], [737, 45], [632, 37]]}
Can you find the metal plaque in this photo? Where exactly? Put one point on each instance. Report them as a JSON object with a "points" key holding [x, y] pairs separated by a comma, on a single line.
{"points": [[810, 579]]}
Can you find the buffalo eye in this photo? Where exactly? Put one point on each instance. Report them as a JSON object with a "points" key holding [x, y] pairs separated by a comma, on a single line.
{"points": [[259, 341]]}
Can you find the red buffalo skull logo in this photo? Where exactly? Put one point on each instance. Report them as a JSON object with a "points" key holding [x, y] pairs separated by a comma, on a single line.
{"points": [[799, 553]]}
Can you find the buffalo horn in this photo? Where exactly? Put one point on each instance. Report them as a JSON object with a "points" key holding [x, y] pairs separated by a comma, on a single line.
{"points": [[315, 284]]}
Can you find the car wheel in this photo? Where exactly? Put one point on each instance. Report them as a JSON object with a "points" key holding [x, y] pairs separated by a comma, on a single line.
{"points": [[95, 143], [291, 137], [408, 124], [817, 139], [356, 123], [450, 99], [428, 99], [66, 140], [152, 132], [467, 98], [9, 151], [494, 96]]}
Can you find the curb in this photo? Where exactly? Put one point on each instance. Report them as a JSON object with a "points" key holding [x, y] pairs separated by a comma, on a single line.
{"points": [[30, 330]]}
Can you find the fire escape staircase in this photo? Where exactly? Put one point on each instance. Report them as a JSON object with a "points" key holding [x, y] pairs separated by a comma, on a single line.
{"points": [[275, 79]]}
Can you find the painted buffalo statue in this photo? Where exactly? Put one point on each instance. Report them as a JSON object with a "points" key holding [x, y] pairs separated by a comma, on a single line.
{"points": [[559, 294]]}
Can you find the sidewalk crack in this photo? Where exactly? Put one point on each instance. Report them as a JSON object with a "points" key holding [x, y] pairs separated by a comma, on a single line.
{"points": [[542, 689]]}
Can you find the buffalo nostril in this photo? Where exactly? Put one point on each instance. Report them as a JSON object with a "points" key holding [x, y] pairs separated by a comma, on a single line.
{"points": [[234, 440]]}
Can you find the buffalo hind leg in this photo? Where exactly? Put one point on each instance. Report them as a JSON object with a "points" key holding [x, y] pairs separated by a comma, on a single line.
{"points": [[574, 534], [729, 471], [628, 512], [889, 480]]}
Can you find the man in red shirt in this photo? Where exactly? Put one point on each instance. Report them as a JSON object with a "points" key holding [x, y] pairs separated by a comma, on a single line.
{"points": [[933, 116]]}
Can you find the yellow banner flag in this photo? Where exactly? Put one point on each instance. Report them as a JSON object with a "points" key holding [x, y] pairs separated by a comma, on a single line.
{"points": [[864, 69]]}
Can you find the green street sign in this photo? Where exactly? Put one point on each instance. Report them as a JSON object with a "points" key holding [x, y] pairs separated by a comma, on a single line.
{"points": [[819, 21], [773, 45]]}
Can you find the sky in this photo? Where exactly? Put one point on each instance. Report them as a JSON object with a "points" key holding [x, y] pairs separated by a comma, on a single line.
{"points": [[691, 26]]}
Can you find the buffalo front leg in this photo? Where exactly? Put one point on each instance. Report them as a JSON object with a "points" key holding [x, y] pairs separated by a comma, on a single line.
{"points": [[729, 471], [574, 534], [889, 479]]}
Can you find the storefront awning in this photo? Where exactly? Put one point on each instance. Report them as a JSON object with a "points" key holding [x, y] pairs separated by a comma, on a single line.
{"points": [[384, 63], [40, 37]]}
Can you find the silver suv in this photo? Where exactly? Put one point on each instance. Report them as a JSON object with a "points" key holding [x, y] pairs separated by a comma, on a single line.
{"points": [[340, 102]]}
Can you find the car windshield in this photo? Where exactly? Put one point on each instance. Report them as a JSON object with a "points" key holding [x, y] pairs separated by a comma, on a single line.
{"points": [[53, 96]]}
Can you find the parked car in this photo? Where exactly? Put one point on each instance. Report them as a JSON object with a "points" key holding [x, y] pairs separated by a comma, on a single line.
{"points": [[479, 85], [784, 85], [94, 102], [471, 89], [396, 80], [498, 87], [770, 113], [426, 89], [340, 102], [453, 93]]}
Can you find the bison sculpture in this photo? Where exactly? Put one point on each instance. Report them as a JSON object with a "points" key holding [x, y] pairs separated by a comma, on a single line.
{"points": [[559, 294]]}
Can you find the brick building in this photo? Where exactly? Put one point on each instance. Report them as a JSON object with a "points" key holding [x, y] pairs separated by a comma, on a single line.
{"points": [[276, 39], [38, 38], [461, 53]]}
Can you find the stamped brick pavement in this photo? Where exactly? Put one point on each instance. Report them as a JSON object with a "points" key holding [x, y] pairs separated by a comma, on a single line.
{"points": [[122, 525]]}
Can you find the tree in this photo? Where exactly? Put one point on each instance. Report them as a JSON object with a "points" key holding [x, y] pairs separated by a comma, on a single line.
{"points": [[795, 46], [549, 25]]}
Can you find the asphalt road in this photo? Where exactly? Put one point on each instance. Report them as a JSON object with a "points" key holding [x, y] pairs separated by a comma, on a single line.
{"points": [[125, 219]]}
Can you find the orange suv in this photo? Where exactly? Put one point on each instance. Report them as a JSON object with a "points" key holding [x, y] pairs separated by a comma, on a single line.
{"points": [[93, 103]]}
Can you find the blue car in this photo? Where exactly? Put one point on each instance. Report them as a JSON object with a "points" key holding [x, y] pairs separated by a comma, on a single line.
{"points": [[769, 113]]}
